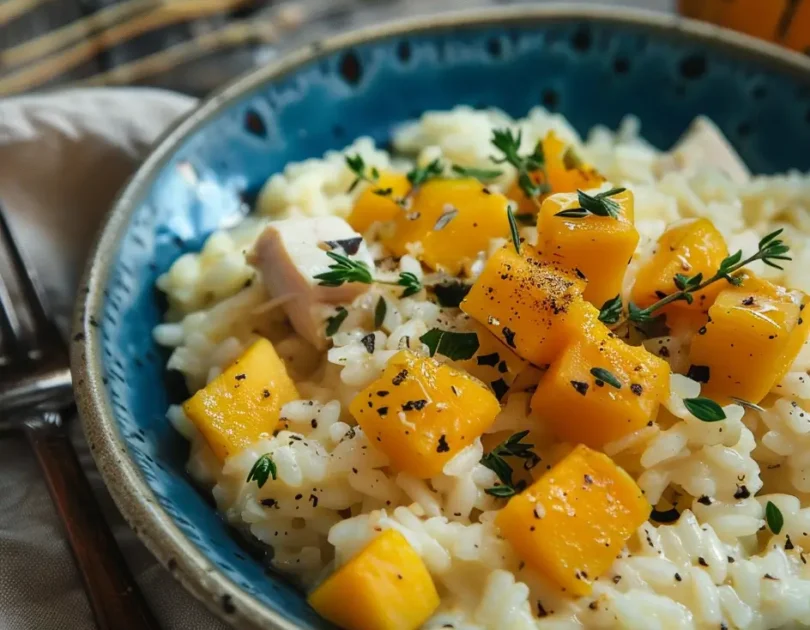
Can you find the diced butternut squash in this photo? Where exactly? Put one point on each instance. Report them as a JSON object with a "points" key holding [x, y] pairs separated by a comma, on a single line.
{"points": [[688, 247], [572, 522], [526, 301], [580, 407], [242, 405], [386, 586], [564, 172], [378, 202], [754, 333], [494, 363], [599, 247], [449, 223], [421, 413]]}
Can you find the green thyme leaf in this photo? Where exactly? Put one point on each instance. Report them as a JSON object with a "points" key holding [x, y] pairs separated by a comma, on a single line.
{"points": [[481, 174], [344, 270], [501, 492], [746, 404], [333, 323], [774, 518], [601, 374], [573, 213], [420, 174], [601, 204], [457, 346], [263, 468], [513, 228], [704, 409], [451, 294], [379, 312], [410, 282], [766, 240], [611, 310], [729, 261]]}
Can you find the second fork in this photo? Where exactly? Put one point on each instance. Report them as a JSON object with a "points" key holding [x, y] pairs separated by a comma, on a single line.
{"points": [[35, 387]]}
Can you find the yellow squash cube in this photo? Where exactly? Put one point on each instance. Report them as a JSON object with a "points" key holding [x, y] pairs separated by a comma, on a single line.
{"points": [[386, 586], [421, 413], [754, 333], [572, 523], [599, 247], [449, 223], [564, 172], [688, 247], [242, 405], [494, 363], [580, 407], [372, 206], [527, 301]]}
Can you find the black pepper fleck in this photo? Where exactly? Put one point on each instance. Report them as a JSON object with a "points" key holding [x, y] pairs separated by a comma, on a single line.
{"points": [[580, 387]]}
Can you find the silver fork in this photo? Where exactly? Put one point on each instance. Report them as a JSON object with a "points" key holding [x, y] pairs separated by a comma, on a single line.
{"points": [[35, 389]]}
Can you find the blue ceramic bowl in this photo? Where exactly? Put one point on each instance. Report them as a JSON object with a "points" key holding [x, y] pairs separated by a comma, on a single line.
{"points": [[593, 65]]}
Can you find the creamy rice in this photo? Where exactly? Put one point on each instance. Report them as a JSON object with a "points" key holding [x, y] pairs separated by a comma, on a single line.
{"points": [[717, 566]]}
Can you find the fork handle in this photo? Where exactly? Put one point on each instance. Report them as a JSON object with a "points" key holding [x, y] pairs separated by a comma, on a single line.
{"points": [[114, 596]]}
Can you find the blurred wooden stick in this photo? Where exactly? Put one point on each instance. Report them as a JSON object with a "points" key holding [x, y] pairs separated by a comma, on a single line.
{"points": [[73, 32], [11, 9], [238, 34], [166, 14]]}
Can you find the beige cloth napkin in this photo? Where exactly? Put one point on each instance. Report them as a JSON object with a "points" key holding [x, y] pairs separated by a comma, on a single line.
{"points": [[62, 159]]}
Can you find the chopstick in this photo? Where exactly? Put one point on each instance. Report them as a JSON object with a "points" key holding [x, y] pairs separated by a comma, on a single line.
{"points": [[12, 9], [73, 32], [174, 12], [230, 36]]}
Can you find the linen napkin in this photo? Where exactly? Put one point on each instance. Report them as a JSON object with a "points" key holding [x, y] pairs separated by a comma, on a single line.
{"points": [[63, 157]]}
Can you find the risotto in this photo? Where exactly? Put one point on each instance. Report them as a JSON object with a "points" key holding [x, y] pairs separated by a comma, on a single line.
{"points": [[509, 378]]}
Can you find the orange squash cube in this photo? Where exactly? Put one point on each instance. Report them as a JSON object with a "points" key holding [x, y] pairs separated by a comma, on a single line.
{"points": [[572, 522], [449, 223], [599, 247], [242, 405], [754, 333], [384, 587], [528, 302], [580, 407], [564, 172], [372, 206], [421, 413], [688, 247]]}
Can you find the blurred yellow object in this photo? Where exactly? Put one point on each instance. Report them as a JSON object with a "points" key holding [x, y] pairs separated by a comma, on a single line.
{"points": [[785, 22]]}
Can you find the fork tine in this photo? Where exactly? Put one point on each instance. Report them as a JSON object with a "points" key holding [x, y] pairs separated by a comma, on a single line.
{"points": [[25, 316]]}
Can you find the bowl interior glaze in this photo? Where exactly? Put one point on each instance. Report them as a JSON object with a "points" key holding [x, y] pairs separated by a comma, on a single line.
{"points": [[594, 66]]}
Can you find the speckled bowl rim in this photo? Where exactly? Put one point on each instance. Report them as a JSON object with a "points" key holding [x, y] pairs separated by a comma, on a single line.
{"points": [[131, 493]]}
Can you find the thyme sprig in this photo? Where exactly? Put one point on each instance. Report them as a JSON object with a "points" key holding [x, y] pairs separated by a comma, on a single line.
{"points": [[362, 173], [508, 144], [770, 249], [344, 270], [494, 460], [417, 176]]}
